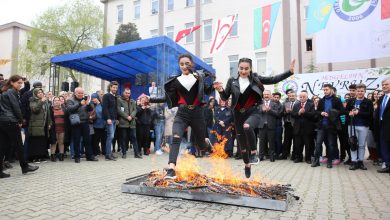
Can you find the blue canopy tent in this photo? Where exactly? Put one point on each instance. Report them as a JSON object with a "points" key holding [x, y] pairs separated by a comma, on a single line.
{"points": [[153, 59]]}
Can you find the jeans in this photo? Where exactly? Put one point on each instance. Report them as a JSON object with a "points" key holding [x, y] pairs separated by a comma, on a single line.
{"points": [[158, 134], [361, 134], [78, 132], [110, 136], [126, 135], [330, 135]]}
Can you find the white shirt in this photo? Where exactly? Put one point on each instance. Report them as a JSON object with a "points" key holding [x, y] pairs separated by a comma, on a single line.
{"points": [[244, 83], [187, 81]]}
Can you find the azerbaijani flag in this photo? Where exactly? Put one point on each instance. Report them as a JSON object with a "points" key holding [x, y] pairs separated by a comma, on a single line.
{"points": [[265, 19], [318, 15], [385, 11]]}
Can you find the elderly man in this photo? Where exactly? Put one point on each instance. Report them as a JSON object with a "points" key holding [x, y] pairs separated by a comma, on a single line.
{"points": [[80, 105], [304, 114], [382, 124]]}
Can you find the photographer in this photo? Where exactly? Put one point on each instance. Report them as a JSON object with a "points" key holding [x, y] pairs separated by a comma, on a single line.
{"points": [[80, 105]]}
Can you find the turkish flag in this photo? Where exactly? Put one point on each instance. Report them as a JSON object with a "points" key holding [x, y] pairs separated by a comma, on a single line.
{"points": [[224, 27], [385, 11], [183, 33]]}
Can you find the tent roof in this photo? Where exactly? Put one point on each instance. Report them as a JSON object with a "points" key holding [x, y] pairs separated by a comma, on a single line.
{"points": [[158, 54]]}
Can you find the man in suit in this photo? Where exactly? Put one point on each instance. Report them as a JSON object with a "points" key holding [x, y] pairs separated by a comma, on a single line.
{"points": [[382, 123], [304, 114], [279, 126], [269, 112], [288, 125]]}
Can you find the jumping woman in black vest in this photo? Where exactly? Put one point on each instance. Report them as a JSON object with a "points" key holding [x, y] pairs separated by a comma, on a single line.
{"points": [[185, 91], [247, 91]]}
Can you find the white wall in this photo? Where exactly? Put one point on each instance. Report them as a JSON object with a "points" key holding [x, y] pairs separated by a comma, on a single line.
{"points": [[6, 50]]}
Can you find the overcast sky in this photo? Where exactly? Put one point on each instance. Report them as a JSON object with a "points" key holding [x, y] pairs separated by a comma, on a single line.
{"points": [[24, 11]]}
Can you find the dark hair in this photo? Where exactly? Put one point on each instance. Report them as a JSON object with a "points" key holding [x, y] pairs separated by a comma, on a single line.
{"points": [[327, 85], [187, 55], [277, 93], [361, 86], [304, 91], [12, 79], [255, 79], [334, 89], [112, 83], [288, 91], [352, 86]]}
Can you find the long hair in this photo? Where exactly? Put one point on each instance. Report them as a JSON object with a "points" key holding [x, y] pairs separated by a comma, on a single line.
{"points": [[12, 79], [252, 75]]}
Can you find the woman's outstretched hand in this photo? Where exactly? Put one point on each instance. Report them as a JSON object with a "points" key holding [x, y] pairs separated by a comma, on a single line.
{"points": [[218, 86]]}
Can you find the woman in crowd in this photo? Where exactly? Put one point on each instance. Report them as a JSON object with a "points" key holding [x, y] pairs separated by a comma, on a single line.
{"points": [[247, 91], [58, 119], [99, 136], [186, 91], [371, 144], [39, 124], [11, 120], [144, 124], [360, 111]]}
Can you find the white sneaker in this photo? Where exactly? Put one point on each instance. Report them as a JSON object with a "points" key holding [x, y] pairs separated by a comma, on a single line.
{"points": [[159, 152]]}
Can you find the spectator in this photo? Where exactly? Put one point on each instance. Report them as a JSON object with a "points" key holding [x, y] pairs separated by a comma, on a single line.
{"points": [[328, 112], [110, 115], [223, 118], [360, 119], [58, 111], [304, 116], [288, 125], [352, 90], [11, 120], [371, 143], [158, 123], [39, 125], [100, 135], [127, 110], [153, 90], [169, 116], [144, 123], [269, 112], [80, 105], [382, 122], [209, 119], [279, 126]]}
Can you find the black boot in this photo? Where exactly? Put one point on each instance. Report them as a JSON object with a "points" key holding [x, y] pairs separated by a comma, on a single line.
{"points": [[61, 157], [329, 164], [361, 165], [353, 166], [316, 162], [3, 175], [53, 158]]}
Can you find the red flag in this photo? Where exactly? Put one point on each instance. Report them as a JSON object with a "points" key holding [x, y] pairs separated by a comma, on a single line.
{"points": [[385, 9], [186, 32], [224, 27], [266, 25]]}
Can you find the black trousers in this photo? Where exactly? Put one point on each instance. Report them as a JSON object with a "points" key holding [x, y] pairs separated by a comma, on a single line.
{"points": [[10, 137], [188, 117], [126, 135], [246, 137], [99, 137], [267, 141], [143, 137], [78, 131], [304, 140], [288, 138], [343, 138]]}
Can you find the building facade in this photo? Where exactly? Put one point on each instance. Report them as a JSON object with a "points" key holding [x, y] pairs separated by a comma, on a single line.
{"points": [[288, 41]]}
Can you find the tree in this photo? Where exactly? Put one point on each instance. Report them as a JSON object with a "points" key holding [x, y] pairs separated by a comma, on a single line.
{"points": [[72, 27], [311, 67], [126, 33]]}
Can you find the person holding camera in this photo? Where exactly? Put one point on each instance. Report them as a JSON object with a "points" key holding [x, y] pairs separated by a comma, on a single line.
{"points": [[79, 107], [360, 111]]}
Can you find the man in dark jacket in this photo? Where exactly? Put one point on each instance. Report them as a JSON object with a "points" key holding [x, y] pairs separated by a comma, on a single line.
{"points": [[328, 112], [304, 114], [382, 124], [110, 115], [80, 105], [223, 119]]}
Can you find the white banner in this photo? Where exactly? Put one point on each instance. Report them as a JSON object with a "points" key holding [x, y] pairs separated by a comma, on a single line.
{"points": [[354, 31], [312, 82]]}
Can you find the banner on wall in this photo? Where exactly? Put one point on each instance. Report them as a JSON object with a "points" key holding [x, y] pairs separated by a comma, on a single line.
{"points": [[312, 82]]}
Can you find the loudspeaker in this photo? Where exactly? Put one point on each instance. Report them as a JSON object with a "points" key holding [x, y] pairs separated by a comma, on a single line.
{"points": [[140, 79], [73, 85], [65, 86]]}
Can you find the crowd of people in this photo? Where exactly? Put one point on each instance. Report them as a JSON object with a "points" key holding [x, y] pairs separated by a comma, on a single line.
{"points": [[256, 122]]}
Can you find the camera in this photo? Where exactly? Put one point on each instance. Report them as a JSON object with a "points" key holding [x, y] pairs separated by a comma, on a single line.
{"points": [[85, 98]]}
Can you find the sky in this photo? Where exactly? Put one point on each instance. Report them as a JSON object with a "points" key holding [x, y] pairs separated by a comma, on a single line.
{"points": [[25, 11]]}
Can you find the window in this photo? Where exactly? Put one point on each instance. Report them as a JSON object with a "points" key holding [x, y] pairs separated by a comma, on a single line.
{"points": [[155, 7], [207, 1], [137, 9], [170, 4], [233, 64], [190, 37], [234, 31], [207, 29], [189, 3], [154, 33], [261, 59], [309, 44], [169, 31], [306, 9], [208, 61], [119, 11]]}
